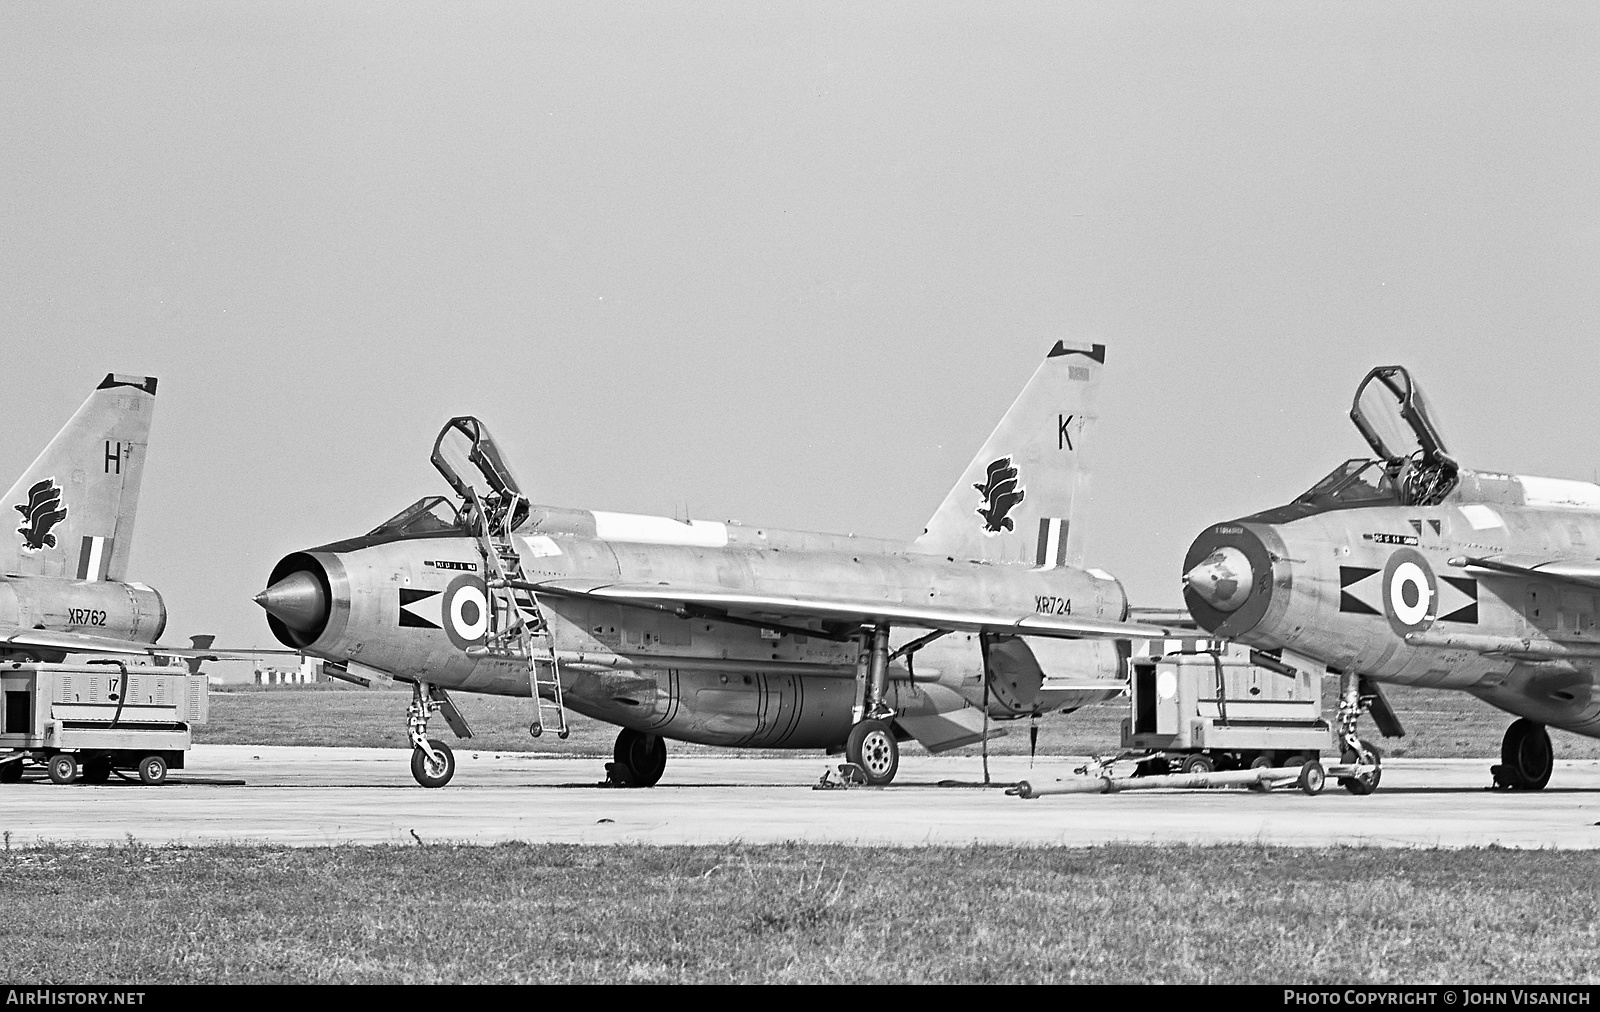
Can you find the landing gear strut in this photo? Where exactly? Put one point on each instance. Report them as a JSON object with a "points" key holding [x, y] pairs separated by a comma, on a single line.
{"points": [[872, 745], [1353, 751], [1526, 758], [432, 762], [640, 757]]}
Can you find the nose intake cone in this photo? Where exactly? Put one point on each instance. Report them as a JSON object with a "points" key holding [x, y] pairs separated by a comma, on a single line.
{"points": [[1223, 579], [297, 600]]}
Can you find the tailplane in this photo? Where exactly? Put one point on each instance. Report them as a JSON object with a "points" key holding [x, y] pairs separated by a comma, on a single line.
{"points": [[1014, 503], [74, 506]]}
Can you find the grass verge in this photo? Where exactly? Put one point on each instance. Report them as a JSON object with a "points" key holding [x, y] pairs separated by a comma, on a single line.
{"points": [[794, 914]]}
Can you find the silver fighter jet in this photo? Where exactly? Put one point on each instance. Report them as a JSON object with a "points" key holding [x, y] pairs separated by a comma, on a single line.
{"points": [[726, 634], [1409, 568]]}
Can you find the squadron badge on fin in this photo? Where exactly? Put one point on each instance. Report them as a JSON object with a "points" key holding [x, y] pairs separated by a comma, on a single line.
{"points": [[42, 511], [1001, 493]]}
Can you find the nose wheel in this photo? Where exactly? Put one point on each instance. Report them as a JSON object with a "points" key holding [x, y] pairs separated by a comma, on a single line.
{"points": [[436, 769], [1368, 757]]}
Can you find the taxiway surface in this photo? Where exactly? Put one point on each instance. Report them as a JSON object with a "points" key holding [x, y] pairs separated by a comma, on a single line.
{"points": [[324, 796]]}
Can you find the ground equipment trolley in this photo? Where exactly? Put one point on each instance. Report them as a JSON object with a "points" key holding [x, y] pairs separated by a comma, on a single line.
{"points": [[88, 721]]}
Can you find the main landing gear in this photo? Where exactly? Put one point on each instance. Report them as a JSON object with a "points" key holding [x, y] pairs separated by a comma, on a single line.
{"points": [[872, 746], [640, 759], [1526, 758]]}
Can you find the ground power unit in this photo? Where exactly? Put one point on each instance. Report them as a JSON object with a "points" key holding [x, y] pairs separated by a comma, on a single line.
{"points": [[1230, 708], [88, 721]]}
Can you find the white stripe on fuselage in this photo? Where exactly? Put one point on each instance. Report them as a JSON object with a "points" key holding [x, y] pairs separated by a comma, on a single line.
{"points": [[650, 530], [1559, 492]]}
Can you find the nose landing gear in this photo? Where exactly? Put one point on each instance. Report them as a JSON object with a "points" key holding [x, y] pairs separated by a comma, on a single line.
{"points": [[1359, 770], [432, 762], [1526, 758]]}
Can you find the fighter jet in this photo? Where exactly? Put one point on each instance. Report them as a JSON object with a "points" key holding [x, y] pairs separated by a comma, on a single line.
{"points": [[727, 634], [64, 558], [1409, 568]]}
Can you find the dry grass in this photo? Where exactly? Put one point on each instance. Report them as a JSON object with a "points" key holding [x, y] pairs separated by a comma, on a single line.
{"points": [[1439, 724], [519, 913]]}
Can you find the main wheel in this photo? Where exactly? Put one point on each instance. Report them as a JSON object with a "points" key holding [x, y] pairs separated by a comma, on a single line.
{"points": [[1199, 762], [96, 770], [872, 747], [1526, 757], [433, 772], [63, 769], [11, 772], [643, 756], [1312, 776], [1366, 783], [152, 771]]}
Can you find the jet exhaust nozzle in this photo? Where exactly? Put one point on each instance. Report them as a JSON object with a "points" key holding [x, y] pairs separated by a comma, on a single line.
{"points": [[1223, 579], [298, 601]]}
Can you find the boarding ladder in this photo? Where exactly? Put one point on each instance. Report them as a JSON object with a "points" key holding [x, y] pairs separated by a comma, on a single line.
{"points": [[517, 627]]}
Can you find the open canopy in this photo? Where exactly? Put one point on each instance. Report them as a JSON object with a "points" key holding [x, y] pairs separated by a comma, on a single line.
{"points": [[1394, 417]]}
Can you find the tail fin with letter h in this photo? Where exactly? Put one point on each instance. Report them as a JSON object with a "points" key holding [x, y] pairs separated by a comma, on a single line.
{"points": [[76, 502]]}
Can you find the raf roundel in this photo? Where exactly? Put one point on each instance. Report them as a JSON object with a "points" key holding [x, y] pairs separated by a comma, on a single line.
{"points": [[1410, 592], [466, 611]]}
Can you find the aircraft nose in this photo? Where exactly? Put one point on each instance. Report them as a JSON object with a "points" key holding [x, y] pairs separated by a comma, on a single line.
{"points": [[1222, 579], [297, 600]]}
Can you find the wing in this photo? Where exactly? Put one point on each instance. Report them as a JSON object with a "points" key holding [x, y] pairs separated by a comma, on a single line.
{"points": [[690, 601], [80, 643], [1580, 572]]}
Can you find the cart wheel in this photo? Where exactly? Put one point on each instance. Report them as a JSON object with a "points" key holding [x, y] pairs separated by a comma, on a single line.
{"points": [[11, 773], [1199, 763], [63, 769], [1261, 762], [153, 770], [97, 770], [1312, 777]]}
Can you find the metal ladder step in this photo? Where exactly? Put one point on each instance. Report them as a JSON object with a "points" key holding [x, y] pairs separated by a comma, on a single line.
{"points": [[525, 626]]}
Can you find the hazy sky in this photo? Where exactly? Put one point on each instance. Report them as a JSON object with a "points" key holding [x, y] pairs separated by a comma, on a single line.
{"points": [[785, 263]]}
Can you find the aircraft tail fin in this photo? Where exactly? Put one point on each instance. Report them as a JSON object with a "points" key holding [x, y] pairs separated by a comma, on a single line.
{"points": [[75, 504], [1014, 502]]}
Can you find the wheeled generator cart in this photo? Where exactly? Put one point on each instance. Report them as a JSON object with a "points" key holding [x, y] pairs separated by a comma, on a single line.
{"points": [[1234, 708], [88, 721]]}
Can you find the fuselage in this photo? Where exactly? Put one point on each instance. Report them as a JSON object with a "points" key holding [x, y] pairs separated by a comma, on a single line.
{"points": [[1386, 591], [103, 608], [406, 602]]}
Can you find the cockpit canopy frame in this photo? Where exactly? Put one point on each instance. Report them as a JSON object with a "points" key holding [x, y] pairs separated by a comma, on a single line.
{"points": [[1378, 416], [464, 446], [1412, 468]]}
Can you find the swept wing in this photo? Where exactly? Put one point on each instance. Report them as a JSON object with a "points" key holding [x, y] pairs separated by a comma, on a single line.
{"points": [[83, 643], [1580, 572], [776, 609]]}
